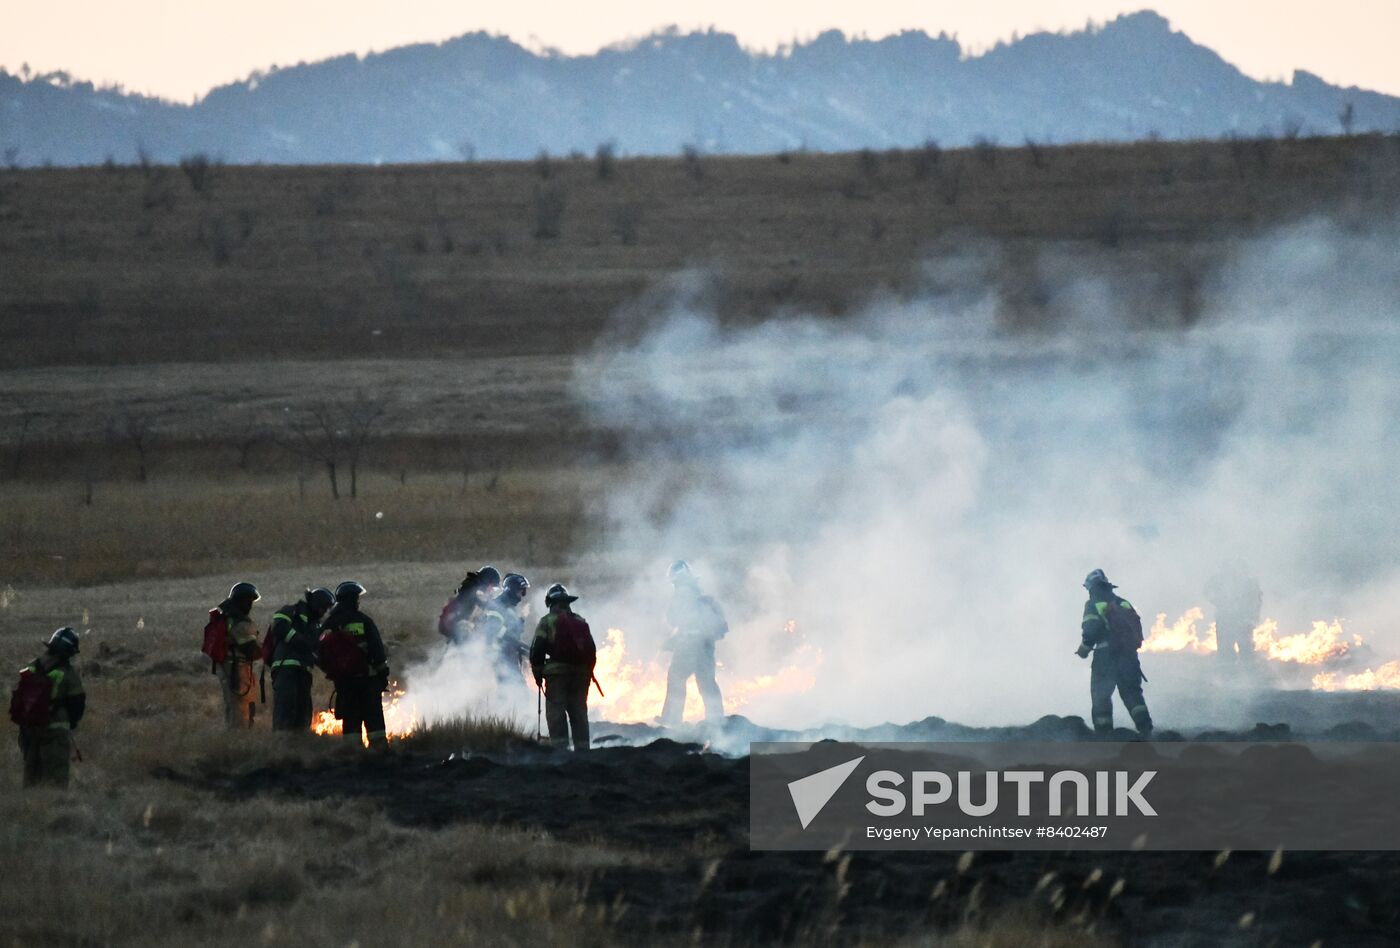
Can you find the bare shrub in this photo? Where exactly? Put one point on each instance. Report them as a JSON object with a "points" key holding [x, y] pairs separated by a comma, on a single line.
{"points": [[691, 160], [925, 159], [626, 221], [544, 165], [986, 150], [199, 170], [1039, 159], [1347, 118], [868, 162], [133, 429], [335, 434], [605, 161], [549, 212], [950, 180]]}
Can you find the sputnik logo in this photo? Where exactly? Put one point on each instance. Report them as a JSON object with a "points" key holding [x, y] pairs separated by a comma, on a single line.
{"points": [[811, 794]]}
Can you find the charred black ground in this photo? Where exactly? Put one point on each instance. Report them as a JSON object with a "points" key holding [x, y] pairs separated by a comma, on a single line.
{"points": [[688, 809]]}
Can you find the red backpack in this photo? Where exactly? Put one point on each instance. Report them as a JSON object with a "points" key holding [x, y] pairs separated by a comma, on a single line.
{"points": [[1124, 624], [31, 702], [573, 642], [341, 655], [216, 639]]}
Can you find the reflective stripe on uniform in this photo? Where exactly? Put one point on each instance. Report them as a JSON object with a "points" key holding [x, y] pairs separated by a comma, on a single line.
{"points": [[288, 663], [55, 675], [355, 628]]}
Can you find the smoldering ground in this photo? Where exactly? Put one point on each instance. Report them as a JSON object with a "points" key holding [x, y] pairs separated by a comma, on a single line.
{"points": [[923, 488]]}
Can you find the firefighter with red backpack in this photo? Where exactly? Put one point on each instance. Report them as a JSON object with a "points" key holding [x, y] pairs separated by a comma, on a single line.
{"points": [[351, 653], [562, 657], [47, 704], [290, 652], [231, 642], [1112, 630]]}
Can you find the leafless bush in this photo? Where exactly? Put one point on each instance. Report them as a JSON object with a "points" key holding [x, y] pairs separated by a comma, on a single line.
{"points": [[549, 212], [158, 195], [144, 162], [133, 429], [626, 222], [1347, 118], [605, 161], [694, 165], [1292, 128], [466, 150], [1114, 227], [544, 165], [986, 151], [200, 171], [868, 162], [335, 435], [247, 436], [11, 156], [925, 159], [950, 179], [23, 425], [1239, 153], [1039, 158]]}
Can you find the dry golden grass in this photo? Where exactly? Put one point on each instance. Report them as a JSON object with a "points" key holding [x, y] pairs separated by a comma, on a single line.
{"points": [[124, 266], [181, 525]]}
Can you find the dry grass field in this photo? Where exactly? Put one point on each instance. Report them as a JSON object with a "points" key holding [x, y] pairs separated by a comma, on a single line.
{"points": [[164, 331]]}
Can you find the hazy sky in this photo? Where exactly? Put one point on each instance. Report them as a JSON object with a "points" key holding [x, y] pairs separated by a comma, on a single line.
{"points": [[180, 49]]}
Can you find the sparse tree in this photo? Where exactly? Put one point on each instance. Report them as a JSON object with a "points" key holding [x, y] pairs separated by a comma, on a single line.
{"points": [[926, 158], [247, 436], [868, 162], [544, 165], [692, 162], [133, 429], [23, 425], [1039, 159], [1347, 118], [466, 150], [144, 160], [986, 151], [950, 179], [626, 221], [336, 434], [549, 212], [200, 171], [605, 161], [11, 155]]}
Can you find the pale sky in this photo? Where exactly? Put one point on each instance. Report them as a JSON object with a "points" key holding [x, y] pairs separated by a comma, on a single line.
{"points": [[180, 49]]}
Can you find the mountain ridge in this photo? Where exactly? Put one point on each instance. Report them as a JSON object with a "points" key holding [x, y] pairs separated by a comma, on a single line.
{"points": [[483, 96]]}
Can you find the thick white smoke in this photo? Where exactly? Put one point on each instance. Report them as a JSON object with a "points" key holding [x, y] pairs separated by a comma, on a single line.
{"points": [[924, 492]]}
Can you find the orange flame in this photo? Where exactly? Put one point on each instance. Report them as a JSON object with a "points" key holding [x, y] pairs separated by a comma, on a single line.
{"points": [[636, 689], [400, 718], [1386, 677], [1326, 641], [1181, 636]]}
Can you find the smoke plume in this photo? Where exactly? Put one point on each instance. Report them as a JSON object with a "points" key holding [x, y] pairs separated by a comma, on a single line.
{"points": [[923, 489]]}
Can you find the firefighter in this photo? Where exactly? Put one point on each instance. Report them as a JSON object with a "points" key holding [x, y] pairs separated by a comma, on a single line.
{"points": [[236, 670], [562, 657], [501, 626], [1238, 602], [294, 632], [697, 623], [352, 654], [47, 723], [1112, 631], [458, 617]]}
